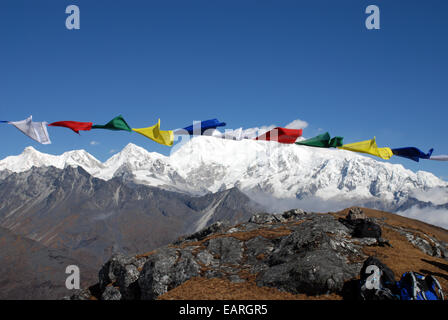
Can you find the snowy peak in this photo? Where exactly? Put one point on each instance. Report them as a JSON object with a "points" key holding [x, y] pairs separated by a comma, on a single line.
{"points": [[81, 158], [132, 159], [292, 171], [132, 150], [30, 157], [262, 169], [131, 154]]}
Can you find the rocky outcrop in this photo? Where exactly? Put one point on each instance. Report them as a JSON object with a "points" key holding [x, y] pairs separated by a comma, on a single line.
{"points": [[295, 252], [424, 242], [314, 259]]}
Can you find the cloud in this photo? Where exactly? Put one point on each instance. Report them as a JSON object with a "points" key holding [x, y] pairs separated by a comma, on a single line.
{"points": [[312, 204], [113, 150], [437, 217], [437, 196], [253, 132], [94, 143], [297, 124], [258, 130]]}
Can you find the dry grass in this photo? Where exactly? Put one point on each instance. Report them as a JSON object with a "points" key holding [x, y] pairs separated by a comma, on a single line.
{"points": [[145, 255], [222, 289], [266, 233]]}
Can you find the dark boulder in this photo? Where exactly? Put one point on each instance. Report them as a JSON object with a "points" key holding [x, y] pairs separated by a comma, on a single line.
{"points": [[165, 270]]}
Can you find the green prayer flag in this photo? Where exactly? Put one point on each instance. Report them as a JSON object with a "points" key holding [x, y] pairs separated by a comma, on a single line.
{"points": [[336, 142], [322, 141], [117, 123]]}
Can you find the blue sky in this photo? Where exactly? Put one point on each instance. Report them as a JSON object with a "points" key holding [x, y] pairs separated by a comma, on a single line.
{"points": [[248, 63]]}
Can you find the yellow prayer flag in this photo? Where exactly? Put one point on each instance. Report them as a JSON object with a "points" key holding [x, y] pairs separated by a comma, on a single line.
{"points": [[369, 147], [160, 136]]}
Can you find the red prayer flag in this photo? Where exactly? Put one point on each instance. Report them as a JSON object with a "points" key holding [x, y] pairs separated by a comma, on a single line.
{"points": [[281, 135], [74, 125]]}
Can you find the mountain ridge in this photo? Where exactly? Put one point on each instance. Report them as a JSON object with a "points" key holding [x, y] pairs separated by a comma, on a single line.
{"points": [[270, 173]]}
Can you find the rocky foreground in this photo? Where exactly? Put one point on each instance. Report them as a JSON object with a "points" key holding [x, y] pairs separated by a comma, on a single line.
{"points": [[294, 255]]}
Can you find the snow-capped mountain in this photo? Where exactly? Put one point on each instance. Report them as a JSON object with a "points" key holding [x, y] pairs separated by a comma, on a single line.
{"points": [[264, 170], [33, 158]]}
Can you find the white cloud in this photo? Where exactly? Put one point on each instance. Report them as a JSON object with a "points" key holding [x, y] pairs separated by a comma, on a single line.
{"points": [[94, 143], [312, 204], [259, 130], [437, 217], [113, 150], [436, 196], [297, 124]]}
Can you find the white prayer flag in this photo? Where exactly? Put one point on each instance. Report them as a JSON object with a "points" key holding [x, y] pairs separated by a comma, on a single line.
{"points": [[35, 130], [439, 158]]}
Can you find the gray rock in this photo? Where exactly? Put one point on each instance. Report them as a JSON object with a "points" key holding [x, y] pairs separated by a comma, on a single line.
{"points": [[83, 294], [366, 241], [432, 247], [214, 273], [233, 230], [217, 227], [313, 259], [293, 214], [204, 257], [111, 293], [257, 251], [185, 268], [155, 278], [355, 214], [311, 272], [440, 251], [297, 242], [165, 270], [228, 249], [326, 223], [262, 218], [122, 272], [257, 246]]}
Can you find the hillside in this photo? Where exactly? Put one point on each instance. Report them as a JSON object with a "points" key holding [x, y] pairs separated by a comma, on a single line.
{"points": [[29, 270], [68, 213]]}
